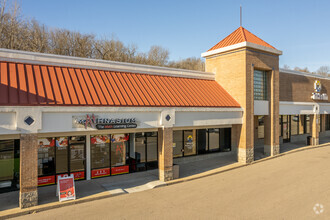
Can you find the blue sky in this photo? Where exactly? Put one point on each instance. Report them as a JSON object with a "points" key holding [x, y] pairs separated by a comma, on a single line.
{"points": [[301, 29]]}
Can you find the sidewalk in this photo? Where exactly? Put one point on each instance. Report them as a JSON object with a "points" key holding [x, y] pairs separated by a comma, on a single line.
{"points": [[115, 185]]}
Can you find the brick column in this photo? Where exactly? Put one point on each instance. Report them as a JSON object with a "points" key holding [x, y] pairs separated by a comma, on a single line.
{"points": [[314, 128], [256, 125], [271, 121], [322, 117], [235, 132], [301, 123], [28, 195], [165, 154]]}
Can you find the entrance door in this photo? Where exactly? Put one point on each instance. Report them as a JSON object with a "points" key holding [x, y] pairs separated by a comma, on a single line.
{"points": [[286, 128], [77, 160]]}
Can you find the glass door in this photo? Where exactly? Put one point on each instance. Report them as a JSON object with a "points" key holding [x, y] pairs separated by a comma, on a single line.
{"points": [[77, 160]]}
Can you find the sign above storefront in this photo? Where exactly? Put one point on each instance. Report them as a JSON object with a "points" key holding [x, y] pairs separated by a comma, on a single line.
{"points": [[96, 122], [317, 95]]}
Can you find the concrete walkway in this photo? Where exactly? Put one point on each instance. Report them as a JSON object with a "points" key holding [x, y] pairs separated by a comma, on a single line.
{"points": [[121, 184], [286, 147]]}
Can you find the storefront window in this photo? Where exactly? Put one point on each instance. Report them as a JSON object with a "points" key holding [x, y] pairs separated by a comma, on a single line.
{"points": [[260, 127], [100, 151], [61, 155], [58, 156], [46, 156], [9, 165], [327, 122], [294, 124], [177, 143], [280, 125], [152, 150], [301, 124], [225, 139], [202, 141], [77, 153], [307, 127], [214, 139], [189, 144], [138, 160], [119, 153]]}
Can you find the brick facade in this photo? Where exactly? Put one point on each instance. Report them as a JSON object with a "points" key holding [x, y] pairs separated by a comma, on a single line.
{"points": [[298, 88], [165, 154], [234, 71], [28, 170]]}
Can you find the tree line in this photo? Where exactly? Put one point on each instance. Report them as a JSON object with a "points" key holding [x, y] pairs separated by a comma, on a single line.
{"points": [[322, 71], [19, 33]]}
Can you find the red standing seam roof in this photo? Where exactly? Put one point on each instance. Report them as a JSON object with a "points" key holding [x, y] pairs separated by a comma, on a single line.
{"points": [[33, 85], [238, 36]]}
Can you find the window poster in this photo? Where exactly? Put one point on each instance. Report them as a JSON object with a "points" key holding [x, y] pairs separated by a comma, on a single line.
{"points": [[117, 138], [46, 142], [61, 142], [100, 139], [118, 149], [52, 142]]}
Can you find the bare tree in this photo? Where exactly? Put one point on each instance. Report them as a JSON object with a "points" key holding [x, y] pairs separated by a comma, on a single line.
{"points": [[19, 33], [158, 56], [192, 63], [323, 70], [302, 69], [286, 67]]}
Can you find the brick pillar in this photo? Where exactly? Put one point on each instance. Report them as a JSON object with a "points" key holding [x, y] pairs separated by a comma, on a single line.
{"points": [[301, 124], [256, 125], [28, 195], [165, 154], [314, 128], [272, 141], [323, 122], [235, 131]]}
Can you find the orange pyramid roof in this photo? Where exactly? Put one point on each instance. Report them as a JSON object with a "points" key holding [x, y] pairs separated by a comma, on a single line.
{"points": [[238, 36]]}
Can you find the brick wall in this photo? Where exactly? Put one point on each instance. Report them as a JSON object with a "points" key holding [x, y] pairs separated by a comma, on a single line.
{"points": [[299, 88]]}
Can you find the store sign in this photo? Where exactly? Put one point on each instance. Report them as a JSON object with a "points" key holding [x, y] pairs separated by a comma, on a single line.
{"points": [[46, 180], [119, 170], [316, 95], [100, 172], [99, 123], [66, 188], [189, 143]]}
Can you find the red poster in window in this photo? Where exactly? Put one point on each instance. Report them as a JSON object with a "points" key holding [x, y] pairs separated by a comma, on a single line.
{"points": [[100, 172], [46, 180], [79, 175], [119, 170], [66, 188]]}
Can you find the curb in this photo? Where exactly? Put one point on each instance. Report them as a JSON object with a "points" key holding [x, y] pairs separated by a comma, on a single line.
{"points": [[55, 205]]}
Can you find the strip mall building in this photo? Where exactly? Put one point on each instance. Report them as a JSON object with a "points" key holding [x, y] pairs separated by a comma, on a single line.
{"points": [[93, 118]]}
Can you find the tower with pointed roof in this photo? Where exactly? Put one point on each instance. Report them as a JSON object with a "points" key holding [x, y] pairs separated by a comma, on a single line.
{"points": [[248, 68]]}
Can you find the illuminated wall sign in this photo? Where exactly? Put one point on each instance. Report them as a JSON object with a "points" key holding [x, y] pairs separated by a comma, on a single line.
{"points": [[96, 122], [316, 95]]}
